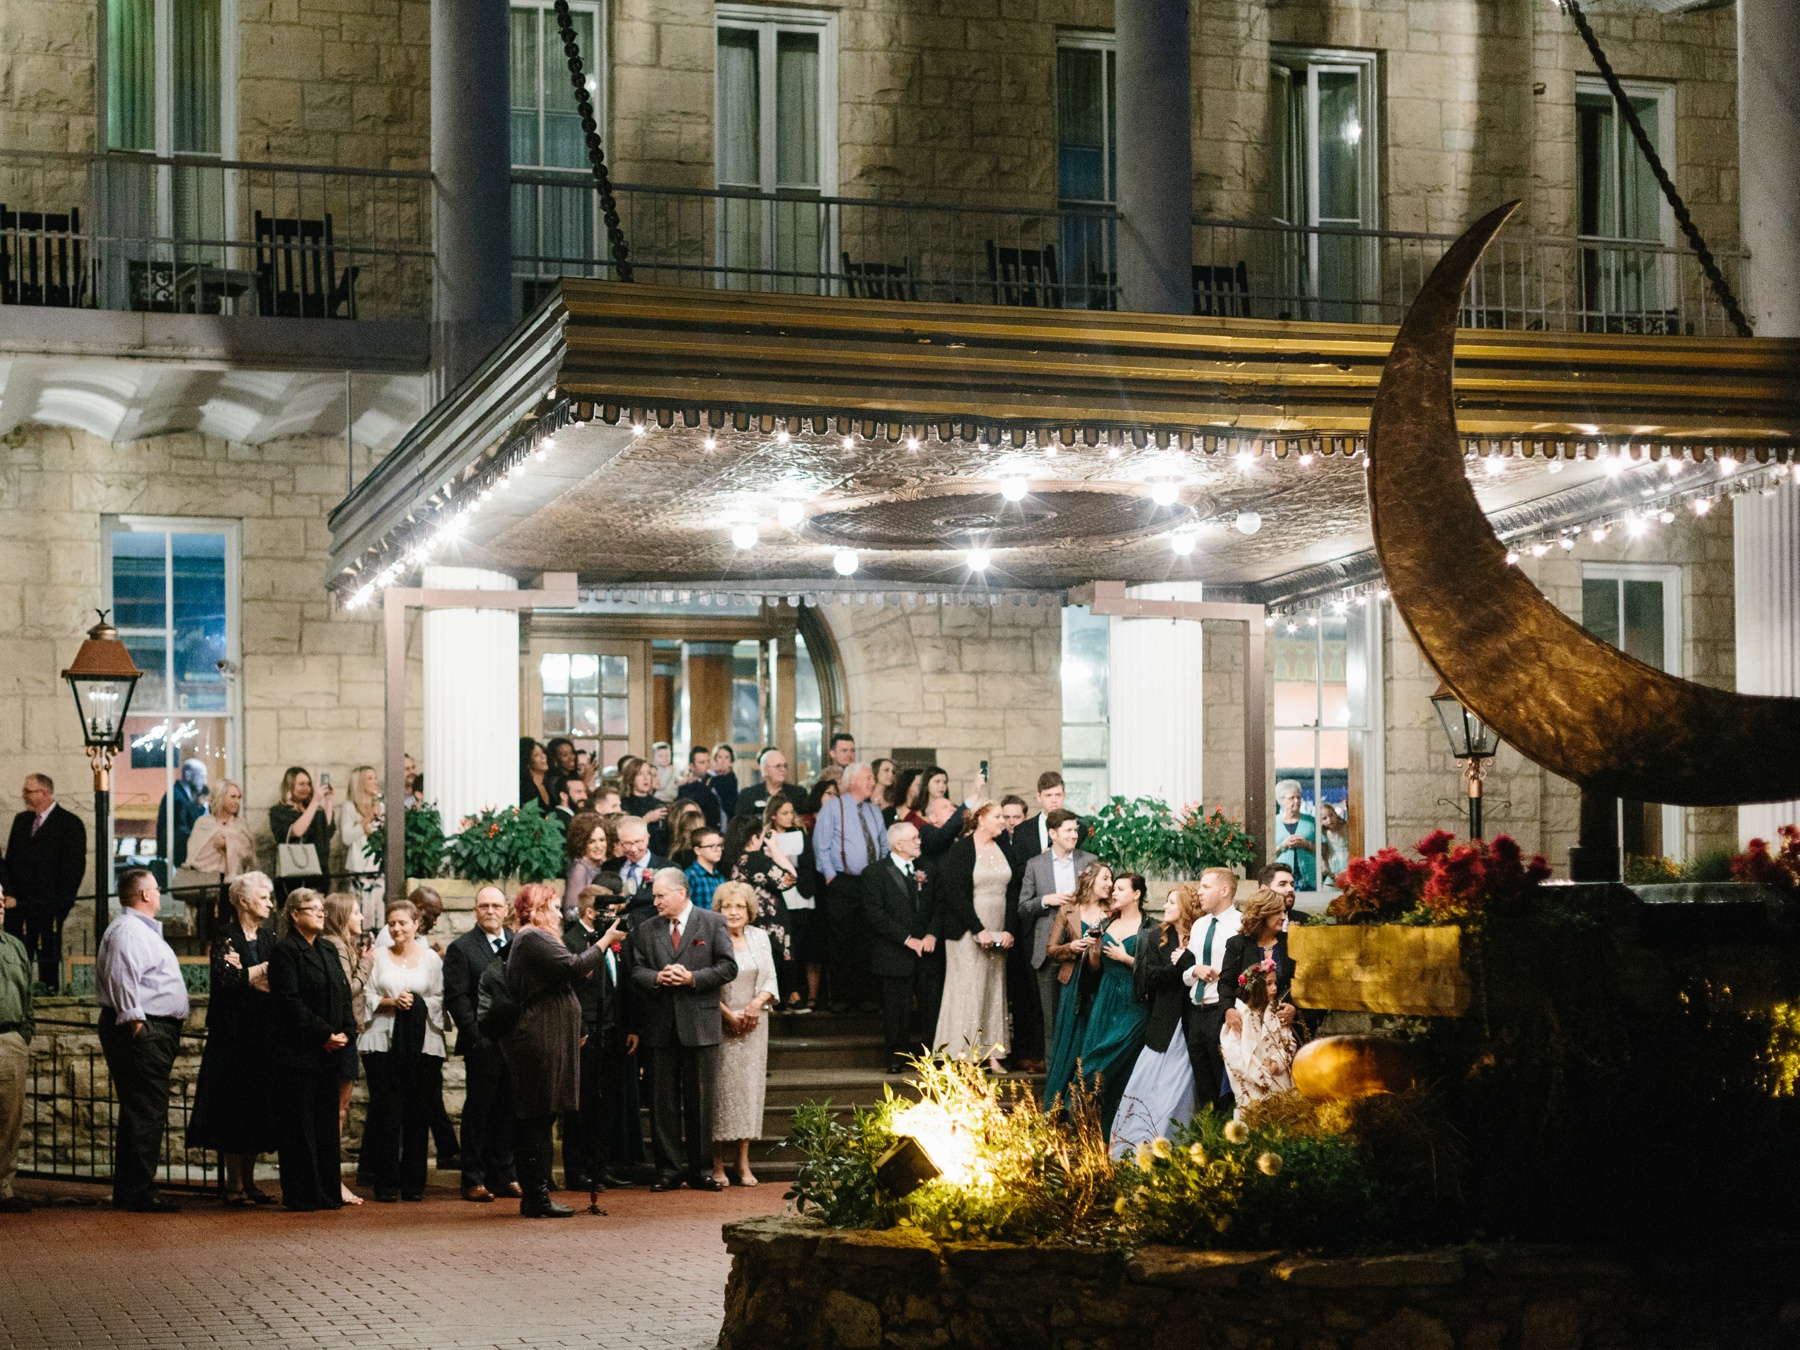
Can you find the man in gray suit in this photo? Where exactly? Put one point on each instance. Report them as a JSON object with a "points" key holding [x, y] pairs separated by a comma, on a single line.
{"points": [[1048, 883], [680, 958]]}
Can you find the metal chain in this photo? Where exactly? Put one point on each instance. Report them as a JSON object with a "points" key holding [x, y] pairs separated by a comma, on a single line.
{"points": [[590, 130], [1708, 264]]}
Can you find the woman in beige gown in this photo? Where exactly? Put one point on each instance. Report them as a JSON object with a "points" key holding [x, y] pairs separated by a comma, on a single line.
{"points": [[744, 1054], [974, 879]]}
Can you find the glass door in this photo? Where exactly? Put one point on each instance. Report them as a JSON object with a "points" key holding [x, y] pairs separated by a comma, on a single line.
{"points": [[1324, 123], [554, 229], [1624, 288]]}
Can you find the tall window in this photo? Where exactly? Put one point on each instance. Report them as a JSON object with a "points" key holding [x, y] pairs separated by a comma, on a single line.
{"points": [[1086, 710], [1087, 157], [586, 696], [777, 136], [1327, 678], [1637, 608], [1623, 287], [173, 592], [1325, 154], [168, 92], [554, 232]]}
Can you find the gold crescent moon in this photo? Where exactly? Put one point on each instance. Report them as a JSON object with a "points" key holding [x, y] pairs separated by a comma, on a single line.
{"points": [[1564, 699]]}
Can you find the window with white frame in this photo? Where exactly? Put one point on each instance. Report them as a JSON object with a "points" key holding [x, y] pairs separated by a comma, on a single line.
{"points": [[170, 75], [1087, 159], [1637, 608], [172, 588], [1086, 706], [554, 225], [1326, 155], [1630, 282], [776, 121]]}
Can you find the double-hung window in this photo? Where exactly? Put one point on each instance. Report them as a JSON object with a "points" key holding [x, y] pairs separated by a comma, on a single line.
{"points": [[172, 588], [776, 154], [1627, 276], [1087, 161], [1324, 122], [554, 225]]}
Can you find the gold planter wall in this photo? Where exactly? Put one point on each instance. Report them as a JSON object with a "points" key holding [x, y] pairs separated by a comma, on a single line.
{"points": [[1379, 968]]}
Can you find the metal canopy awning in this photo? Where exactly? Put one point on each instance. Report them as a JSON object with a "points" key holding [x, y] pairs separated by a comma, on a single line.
{"points": [[887, 429]]}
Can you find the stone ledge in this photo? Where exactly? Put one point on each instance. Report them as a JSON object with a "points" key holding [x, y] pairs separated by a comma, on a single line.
{"points": [[1372, 1272], [1177, 1268]]}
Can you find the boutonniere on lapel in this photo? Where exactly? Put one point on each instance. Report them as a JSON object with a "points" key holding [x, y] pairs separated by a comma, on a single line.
{"points": [[697, 942]]}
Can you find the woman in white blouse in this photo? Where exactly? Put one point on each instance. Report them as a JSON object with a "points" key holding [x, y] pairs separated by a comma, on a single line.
{"points": [[356, 818], [405, 995], [744, 1055]]}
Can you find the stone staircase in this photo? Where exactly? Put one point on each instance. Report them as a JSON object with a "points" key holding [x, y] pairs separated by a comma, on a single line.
{"points": [[817, 1057]]}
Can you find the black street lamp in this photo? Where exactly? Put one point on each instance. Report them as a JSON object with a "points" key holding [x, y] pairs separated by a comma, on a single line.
{"points": [[1473, 743], [102, 678]]}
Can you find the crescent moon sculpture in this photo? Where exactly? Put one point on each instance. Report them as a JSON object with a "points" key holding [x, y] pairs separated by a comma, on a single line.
{"points": [[1564, 699]]}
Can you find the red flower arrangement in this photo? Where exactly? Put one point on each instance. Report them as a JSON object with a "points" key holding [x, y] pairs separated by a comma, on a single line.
{"points": [[1452, 883], [1780, 868]]}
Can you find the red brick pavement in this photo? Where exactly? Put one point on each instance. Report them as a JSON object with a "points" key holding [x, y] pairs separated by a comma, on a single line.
{"points": [[438, 1275]]}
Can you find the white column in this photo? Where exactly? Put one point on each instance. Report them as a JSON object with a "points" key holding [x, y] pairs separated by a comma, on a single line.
{"points": [[471, 698], [1766, 530], [1156, 156], [1766, 549], [1157, 720]]}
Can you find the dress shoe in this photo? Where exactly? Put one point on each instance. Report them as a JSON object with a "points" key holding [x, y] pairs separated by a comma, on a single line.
{"points": [[412, 1197], [618, 1181], [386, 1197], [14, 1204], [708, 1184], [480, 1194], [662, 1184], [575, 1181], [153, 1204], [512, 1190], [539, 1205], [259, 1197]]}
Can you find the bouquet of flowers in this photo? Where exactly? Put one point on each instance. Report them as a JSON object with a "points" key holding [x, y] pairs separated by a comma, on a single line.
{"points": [[1779, 867], [1451, 882]]}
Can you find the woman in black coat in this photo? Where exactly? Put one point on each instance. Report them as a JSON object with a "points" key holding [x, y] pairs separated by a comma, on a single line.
{"points": [[1261, 936], [311, 1022], [543, 1051], [231, 1098]]}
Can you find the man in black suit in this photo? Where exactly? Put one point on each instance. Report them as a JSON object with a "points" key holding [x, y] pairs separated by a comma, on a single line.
{"points": [[487, 1121], [679, 959], [46, 857], [607, 1045], [900, 913], [571, 797], [635, 865], [773, 765], [1032, 836], [182, 806], [697, 787]]}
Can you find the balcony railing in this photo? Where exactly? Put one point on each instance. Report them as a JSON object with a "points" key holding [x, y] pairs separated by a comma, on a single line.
{"points": [[198, 235], [737, 239]]}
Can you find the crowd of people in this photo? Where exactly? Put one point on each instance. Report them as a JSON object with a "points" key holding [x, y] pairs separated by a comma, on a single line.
{"points": [[693, 908]]}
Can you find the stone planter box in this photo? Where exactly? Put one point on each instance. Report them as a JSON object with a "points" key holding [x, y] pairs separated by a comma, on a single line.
{"points": [[1380, 968], [797, 1285]]}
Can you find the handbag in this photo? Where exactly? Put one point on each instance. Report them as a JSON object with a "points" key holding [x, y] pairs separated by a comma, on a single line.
{"points": [[297, 860]]}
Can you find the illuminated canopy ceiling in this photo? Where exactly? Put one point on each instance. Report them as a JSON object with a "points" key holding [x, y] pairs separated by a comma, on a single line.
{"points": [[1070, 445]]}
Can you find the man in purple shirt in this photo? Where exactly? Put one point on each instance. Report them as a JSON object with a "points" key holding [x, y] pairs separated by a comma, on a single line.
{"points": [[849, 837]]}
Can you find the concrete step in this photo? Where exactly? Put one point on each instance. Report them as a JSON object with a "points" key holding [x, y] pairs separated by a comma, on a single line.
{"points": [[823, 1025], [828, 1052]]}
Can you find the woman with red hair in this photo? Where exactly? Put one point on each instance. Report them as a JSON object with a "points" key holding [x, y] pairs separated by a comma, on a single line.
{"points": [[543, 1051]]}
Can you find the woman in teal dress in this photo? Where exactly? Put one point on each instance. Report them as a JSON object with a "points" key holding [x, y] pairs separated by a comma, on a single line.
{"points": [[1114, 1033], [1075, 932]]}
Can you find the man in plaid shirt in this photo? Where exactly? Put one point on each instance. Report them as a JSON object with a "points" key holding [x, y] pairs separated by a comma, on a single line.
{"points": [[703, 873]]}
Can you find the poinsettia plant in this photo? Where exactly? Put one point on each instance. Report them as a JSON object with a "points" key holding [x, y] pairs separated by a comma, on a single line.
{"points": [[1451, 883], [507, 841], [1147, 835], [1778, 867]]}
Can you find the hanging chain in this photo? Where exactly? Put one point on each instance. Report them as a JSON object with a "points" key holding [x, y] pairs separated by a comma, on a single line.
{"points": [[590, 130], [1708, 264]]}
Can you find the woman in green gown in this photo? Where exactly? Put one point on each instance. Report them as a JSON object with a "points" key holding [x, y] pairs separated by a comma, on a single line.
{"points": [[1075, 932], [1114, 1033]]}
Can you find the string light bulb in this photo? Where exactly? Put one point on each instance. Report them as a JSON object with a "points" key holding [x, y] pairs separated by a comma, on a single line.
{"points": [[711, 443], [790, 514], [782, 437], [744, 536], [1183, 544], [1248, 522], [1567, 542], [978, 559], [844, 562], [1702, 505], [1013, 489], [849, 442], [1164, 493]]}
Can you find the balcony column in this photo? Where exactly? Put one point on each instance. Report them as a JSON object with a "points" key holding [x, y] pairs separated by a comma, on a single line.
{"points": [[471, 698], [471, 157], [1766, 530], [1157, 731], [1156, 156]]}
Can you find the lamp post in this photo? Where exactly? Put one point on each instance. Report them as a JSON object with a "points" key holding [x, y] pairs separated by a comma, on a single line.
{"points": [[1473, 743], [102, 678]]}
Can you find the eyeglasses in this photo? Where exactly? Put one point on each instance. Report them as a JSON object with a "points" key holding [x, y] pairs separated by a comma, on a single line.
{"points": [[715, 844]]}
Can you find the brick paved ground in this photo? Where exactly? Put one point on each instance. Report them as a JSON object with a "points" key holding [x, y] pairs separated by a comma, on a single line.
{"points": [[440, 1275]]}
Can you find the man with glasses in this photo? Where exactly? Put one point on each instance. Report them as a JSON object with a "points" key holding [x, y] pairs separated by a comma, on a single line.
{"points": [[703, 873]]}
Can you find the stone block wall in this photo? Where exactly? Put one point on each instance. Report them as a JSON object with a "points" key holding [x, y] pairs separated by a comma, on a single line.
{"points": [[976, 682]]}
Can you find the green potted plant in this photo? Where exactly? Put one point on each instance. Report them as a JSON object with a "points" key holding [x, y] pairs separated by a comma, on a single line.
{"points": [[507, 843], [424, 841], [1146, 835]]}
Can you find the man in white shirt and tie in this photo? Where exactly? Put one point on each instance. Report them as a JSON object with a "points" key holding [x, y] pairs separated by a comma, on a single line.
{"points": [[1217, 925]]}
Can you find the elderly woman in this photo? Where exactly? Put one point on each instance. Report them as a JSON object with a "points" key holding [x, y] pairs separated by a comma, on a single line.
{"points": [[344, 933], [312, 1022], [405, 994], [744, 1053], [302, 819], [231, 1112], [221, 841], [543, 1049], [1296, 836], [586, 846]]}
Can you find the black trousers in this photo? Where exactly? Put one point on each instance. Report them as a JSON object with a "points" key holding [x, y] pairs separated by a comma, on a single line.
{"points": [[909, 1006], [443, 1132], [683, 1079], [535, 1152], [305, 1101], [583, 1149], [621, 1109], [1203, 1026], [397, 1133], [1022, 1001], [140, 1065], [487, 1119], [39, 928], [846, 961]]}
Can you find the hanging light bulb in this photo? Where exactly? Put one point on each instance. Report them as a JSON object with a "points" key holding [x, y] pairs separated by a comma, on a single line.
{"points": [[1183, 544], [744, 536], [1613, 465], [790, 514], [1164, 493], [1598, 534], [1512, 558], [912, 442], [1728, 465], [844, 562], [1666, 517], [782, 437], [637, 428], [1306, 460], [1013, 489], [1554, 466], [711, 443], [1539, 550], [1494, 466], [1245, 460], [1248, 522], [849, 442], [1567, 542], [1702, 505], [1635, 526], [978, 559]]}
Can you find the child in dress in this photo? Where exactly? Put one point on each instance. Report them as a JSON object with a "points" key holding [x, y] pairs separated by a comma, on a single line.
{"points": [[1259, 1059]]}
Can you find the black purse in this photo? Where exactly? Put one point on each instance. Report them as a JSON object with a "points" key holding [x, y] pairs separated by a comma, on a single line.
{"points": [[408, 1035]]}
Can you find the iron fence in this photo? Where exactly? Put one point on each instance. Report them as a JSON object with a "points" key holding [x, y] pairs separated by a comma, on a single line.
{"points": [[195, 234], [71, 1116]]}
